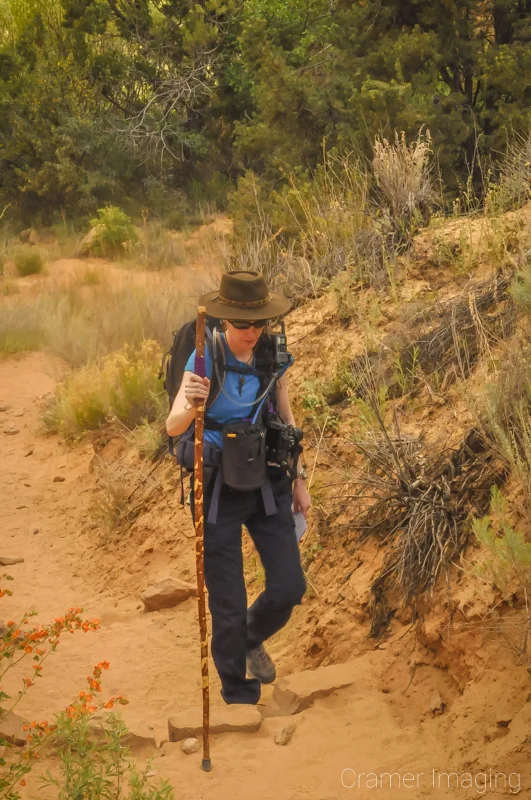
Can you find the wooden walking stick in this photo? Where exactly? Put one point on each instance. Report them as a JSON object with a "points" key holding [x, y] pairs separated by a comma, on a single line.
{"points": [[199, 369]]}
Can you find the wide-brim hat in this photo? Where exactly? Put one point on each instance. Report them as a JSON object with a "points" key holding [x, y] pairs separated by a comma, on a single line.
{"points": [[244, 295]]}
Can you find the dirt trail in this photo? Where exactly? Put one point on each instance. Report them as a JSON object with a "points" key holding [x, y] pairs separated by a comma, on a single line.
{"points": [[370, 727]]}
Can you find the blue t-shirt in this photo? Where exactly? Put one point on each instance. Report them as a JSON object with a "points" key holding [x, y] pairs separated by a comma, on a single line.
{"points": [[225, 409]]}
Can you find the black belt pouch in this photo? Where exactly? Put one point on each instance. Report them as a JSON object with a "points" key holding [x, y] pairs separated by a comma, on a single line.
{"points": [[243, 458]]}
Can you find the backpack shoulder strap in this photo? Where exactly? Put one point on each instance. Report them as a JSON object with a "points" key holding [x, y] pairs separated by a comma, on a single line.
{"points": [[265, 367], [219, 360]]}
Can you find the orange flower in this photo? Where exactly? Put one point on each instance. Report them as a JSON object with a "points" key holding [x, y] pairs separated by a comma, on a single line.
{"points": [[22, 782]]}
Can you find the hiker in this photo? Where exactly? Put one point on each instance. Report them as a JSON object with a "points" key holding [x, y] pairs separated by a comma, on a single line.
{"points": [[244, 305]]}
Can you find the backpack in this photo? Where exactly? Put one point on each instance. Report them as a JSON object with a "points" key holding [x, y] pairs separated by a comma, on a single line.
{"points": [[174, 361]]}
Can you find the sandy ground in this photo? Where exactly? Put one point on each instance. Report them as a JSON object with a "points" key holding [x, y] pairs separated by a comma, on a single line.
{"points": [[377, 725]]}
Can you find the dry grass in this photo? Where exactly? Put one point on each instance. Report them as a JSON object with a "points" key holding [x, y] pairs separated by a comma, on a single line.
{"points": [[157, 248], [404, 176], [514, 185], [115, 504], [83, 323]]}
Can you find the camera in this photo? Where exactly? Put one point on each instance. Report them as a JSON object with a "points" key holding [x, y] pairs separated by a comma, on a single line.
{"points": [[282, 445]]}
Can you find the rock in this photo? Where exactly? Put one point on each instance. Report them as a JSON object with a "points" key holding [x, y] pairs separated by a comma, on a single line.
{"points": [[284, 734], [36, 531], [4, 408], [6, 561], [190, 745], [19, 507], [29, 452], [234, 717], [59, 479], [11, 431], [494, 732], [12, 728], [24, 235], [88, 242], [18, 414], [294, 693], [437, 704], [137, 737], [167, 593]]}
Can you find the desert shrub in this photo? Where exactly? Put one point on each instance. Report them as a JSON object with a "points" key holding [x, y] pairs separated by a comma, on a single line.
{"points": [[149, 437], [114, 233], [28, 262], [505, 416], [514, 182], [353, 305], [123, 385], [521, 289], [8, 287], [508, 555], [404, 176], [116, 502]]}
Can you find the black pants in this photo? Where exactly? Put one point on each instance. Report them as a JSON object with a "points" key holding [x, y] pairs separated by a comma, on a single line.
{"points": [[236, 629]]}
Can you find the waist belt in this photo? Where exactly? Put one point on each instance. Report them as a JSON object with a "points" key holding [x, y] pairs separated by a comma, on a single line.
{"points": [[268, 497]]}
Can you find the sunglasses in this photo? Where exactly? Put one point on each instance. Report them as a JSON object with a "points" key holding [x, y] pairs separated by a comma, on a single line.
{"points": [[241, 325]]}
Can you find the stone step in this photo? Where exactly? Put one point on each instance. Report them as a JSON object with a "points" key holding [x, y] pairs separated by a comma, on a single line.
{"points": [[234, 717], [296, 692]]}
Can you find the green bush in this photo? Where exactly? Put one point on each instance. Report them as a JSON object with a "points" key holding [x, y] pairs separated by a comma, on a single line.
{"points": [[100, 768], [28, 262], [114, 233], [508, 555], [123, 385]]}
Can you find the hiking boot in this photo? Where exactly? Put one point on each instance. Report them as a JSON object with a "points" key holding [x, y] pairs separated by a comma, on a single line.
{"points": [[260, 665]]}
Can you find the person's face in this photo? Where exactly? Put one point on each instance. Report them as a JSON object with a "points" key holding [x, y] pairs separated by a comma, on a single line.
{"points": [[243, 338]]}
